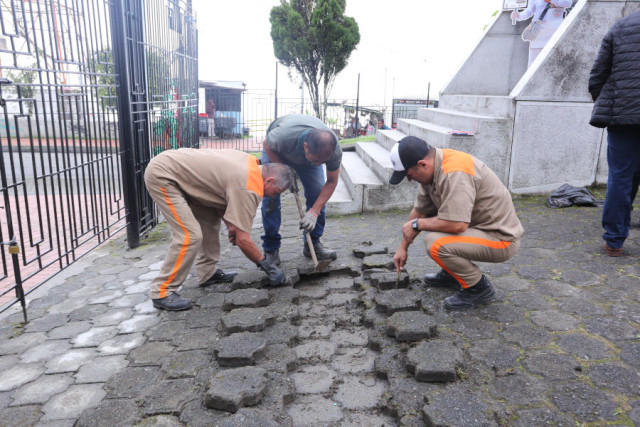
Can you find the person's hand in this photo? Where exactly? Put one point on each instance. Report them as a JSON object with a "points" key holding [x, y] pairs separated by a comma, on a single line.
{"points": [[400, 259], [276, 276], [515, 15], [308, 222], [408, 233]]}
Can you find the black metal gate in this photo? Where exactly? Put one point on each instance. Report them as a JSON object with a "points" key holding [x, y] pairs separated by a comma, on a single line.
{"points": [[89, 90]]}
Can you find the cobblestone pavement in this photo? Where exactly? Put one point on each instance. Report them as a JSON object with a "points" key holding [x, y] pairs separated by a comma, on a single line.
{"points": [[354, 347]]}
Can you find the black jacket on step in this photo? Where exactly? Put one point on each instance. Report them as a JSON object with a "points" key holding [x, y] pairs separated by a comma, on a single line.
{"points": [[614, 81]]}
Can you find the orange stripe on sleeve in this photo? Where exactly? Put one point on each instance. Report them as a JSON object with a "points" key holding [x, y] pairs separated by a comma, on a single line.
{"points": [[457, 161], [255, 182], [462, 239], [183, 249]]}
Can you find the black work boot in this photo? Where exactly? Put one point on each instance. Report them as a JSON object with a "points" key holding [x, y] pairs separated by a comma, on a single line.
{"points": [[481, 292], [173, 302], [219, 277], [273, 255], [322, 253], [442, 279]]}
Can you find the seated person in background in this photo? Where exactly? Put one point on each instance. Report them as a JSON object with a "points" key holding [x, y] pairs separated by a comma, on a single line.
{"points": [[381, 124], [352, 128], [371, 129]]}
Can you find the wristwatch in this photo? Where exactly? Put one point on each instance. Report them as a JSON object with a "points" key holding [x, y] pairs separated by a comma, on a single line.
{"points": [[414, 224]]}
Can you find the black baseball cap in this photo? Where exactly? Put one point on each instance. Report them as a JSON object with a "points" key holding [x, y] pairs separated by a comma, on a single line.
{"points": [[405, 154]]}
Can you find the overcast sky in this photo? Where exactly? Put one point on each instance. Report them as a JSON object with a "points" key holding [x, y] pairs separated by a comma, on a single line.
{"points": [[404, 45]]}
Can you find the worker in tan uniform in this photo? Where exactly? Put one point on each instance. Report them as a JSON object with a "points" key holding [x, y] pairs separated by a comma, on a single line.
{"points": [[196, 189], [467, 211]]}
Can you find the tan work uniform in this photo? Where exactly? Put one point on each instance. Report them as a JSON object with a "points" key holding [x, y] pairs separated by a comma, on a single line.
{"points": [[464, 189], [194, 189]]}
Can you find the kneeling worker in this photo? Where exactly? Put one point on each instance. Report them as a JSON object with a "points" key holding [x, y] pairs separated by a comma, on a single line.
{"points": [[196, 189], [468, 212]]}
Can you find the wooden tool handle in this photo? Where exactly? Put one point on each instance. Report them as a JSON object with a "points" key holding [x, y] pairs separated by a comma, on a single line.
{"points": [[306, 234]]}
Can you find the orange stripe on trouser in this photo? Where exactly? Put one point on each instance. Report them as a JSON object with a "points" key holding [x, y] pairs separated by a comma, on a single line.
{"points": [[462, 239], [183, 249]]}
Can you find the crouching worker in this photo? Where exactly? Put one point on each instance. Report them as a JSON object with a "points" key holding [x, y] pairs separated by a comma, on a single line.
{"points": [[196, 189], [467, 211]]}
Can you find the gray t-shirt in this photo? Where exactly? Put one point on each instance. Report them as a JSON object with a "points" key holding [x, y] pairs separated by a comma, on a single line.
{"points": [[286, 135]]}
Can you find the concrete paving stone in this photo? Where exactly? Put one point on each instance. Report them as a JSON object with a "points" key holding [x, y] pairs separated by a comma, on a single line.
{"points": [[94, 336], [138, 323], [132, 383], [101, 279], [365, 250], [112, 317], [634, 413], [249, 279], [135, 287], [373, 318], [101, 369], [41, 389], [354, 361], [338, 282], [499, 311], [534, 272], [195, 414], [315, 351], [88, 312], [395, 300], [405, 394], [434, 361], [494, 354], [314, 411], [212, 300], [630, 353], [531, 300], [339, 299], [551, 366], [70, 330], [584, 403], [239, 349], [70, 361], [554, 320], [384, 261], [367, 418], [151, 353], [232, 389], [247, 319], [278, 358], [104, 297], [556, 288], [390, 363], [388, 280], [19, 375], [166, 330], [128, 301], [511, 283], [121, 344], [21, 416], [611, 329], [475, 328], [9, 362], [378, 339], [526, 335], [111, 412], [312, 291], [161, 421], [251, 417], [314, 380], [411, 326], [350, 337], [457, 407], [614, 376], [280, 333], [72, 402], [46, 323], [45, 351], [283, 311], [86, 291], [312, 328], [584, 347], [185, 364], [286, 294], [530, 390], [22, 342], [580, 306], [197, 339], [246, 298], [541, 416], [360, 392], [131, 273], [579, 278], [145, 307], [167, 396], [281, 391]]}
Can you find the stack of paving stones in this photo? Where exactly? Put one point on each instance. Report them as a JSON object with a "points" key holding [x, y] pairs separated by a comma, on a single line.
{"points": [[354, 346]]}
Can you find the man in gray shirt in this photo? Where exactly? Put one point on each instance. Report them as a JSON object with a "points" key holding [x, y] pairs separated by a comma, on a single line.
{"points": [[305, 144]]}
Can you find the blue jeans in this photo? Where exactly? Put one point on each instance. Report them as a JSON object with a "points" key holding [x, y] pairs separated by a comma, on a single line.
{"points": [[623, 157], [312, 178]]}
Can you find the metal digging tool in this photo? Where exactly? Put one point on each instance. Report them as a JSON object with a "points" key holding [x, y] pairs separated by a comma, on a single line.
{"points": [[318, 266]]}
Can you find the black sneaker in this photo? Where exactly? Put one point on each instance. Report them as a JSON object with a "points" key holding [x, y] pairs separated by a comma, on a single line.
{"points": [[481, 292], [219, 277], [322, 253], [173, 302], [273, 255], [442, 279]]}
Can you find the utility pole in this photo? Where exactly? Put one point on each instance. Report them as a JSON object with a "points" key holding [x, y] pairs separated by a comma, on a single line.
{"points": [[301, 96], [276, 101]]}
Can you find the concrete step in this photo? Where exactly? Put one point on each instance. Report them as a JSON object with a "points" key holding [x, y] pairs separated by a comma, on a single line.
{"points": [[457, 120], [376, 157], [388, 138], [436, 135], [355, 176], [494, 106]]}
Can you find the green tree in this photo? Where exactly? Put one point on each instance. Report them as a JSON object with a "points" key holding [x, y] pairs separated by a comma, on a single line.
{"points": [[316, 39]]}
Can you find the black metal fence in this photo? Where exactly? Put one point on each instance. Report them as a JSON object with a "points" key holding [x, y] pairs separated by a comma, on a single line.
{"points": [[85, 85]]}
